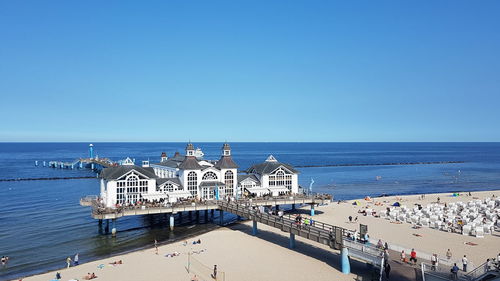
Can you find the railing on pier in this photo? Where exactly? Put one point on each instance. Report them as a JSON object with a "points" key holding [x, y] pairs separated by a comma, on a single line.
{"points": [[99, 210], [317, 231]]}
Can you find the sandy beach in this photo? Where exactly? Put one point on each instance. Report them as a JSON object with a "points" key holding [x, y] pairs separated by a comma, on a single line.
{"points": [[266, 256], [430, 240], [236, 252]]}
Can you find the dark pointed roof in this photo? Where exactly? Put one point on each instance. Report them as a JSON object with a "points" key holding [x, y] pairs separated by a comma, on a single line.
{"points": [[116, 172], [244, 177], [190, 163], [226, 162], [269, 166]]}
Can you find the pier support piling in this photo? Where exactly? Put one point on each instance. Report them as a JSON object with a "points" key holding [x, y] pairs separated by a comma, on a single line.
{"points": [[254, 228], [312, 210], [190, 215], [197, 216], [206, 216], [292, 241], [346, 267], [172, 222], [221, 217], [293, 207], [106, 229]]}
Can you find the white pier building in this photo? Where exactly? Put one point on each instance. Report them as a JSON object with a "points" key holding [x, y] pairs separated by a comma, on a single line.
{"points": [[190, 176]]}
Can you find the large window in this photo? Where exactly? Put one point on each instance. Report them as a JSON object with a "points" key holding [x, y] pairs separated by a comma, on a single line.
{"points": [[120, 195], [229, 181], [166, 188], [209, 176], [280, 178], [192, 183], [143, 186], [132, 184]]}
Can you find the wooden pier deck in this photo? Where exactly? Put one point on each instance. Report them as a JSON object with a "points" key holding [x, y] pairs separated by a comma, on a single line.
{"points": [[100, 212]]}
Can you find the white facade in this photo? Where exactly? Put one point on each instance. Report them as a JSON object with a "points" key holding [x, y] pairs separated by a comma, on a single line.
{"points": [[272, 178], [190, 177]]}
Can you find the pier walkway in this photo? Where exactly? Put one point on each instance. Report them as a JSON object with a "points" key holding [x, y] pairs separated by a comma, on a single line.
{"points": [[100, 212], [333, 236]]}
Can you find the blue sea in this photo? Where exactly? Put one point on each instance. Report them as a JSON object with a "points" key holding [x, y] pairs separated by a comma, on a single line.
{"points": [[41, 222]]}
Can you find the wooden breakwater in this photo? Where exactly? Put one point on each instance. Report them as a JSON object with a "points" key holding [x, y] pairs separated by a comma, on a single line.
{"points": [[48, 179], [378, 164]]}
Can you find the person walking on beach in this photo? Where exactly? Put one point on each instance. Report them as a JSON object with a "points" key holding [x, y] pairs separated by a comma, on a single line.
{"points": [[214, 275], [413, 256], [68, 262], [76, 259], [156, 246], [464, 263], [350, 218], [403, 256], [448, 254]]}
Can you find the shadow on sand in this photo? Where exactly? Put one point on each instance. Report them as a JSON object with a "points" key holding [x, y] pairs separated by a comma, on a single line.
{"points": [[363, 271]]}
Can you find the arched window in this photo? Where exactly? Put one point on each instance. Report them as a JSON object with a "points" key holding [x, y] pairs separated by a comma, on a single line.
{"points": [[192, 183], [209, 176], [229, 181], [132, 193], [281, 178], [132, 184], [168, 187]]}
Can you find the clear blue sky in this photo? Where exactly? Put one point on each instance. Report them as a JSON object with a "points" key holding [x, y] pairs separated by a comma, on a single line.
{"points": [[250, 70]]}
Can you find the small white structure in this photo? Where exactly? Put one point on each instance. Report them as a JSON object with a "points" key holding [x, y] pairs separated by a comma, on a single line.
{"points": [[270, 177]]}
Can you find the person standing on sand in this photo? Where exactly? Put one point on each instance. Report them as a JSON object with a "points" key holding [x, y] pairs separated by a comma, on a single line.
{"points": [[68, 262], [403, 256], [454, 271], [350, 218], [464, 263], [433, 262], [156, 246], [448, 254], [76, 259]]}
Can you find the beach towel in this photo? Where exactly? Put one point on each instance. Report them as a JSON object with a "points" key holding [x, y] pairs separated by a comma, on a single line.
{"points": [[101, 266]]}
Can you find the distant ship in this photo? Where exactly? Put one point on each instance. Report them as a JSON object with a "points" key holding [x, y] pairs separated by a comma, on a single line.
{"points": [[198, 153]]}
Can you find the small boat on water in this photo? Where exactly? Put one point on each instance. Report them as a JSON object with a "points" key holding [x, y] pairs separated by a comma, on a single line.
{"points": [[198, 153]]}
